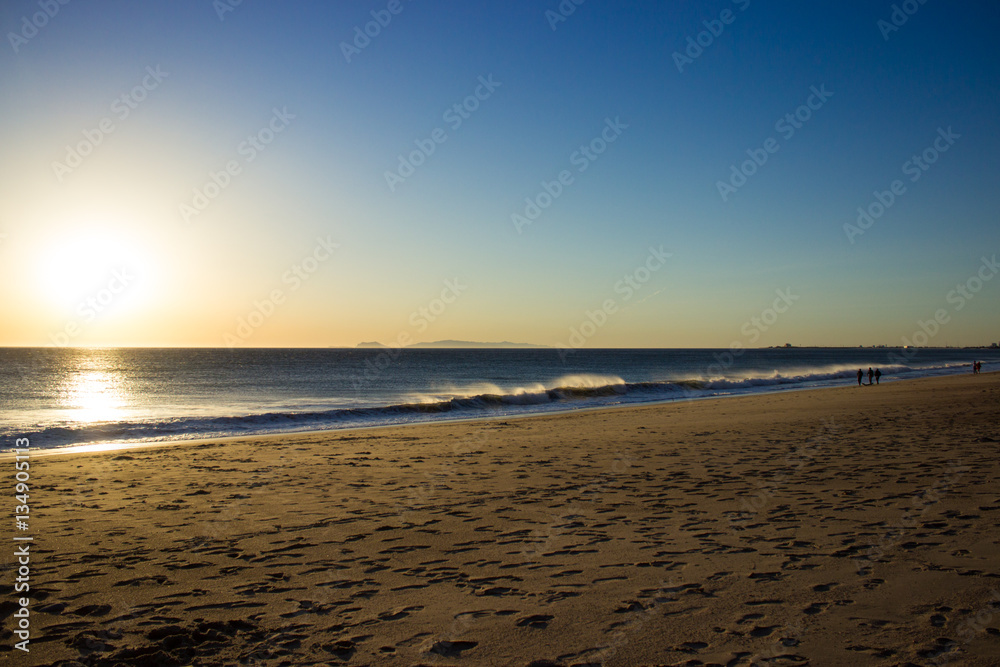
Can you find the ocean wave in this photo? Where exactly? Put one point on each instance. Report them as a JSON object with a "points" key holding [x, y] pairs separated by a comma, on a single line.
{"points": [[471, 401]]}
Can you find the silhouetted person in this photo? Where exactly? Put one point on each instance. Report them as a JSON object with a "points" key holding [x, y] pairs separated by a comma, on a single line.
{"points": [[878, 374], [861, 374], [871, 374]]}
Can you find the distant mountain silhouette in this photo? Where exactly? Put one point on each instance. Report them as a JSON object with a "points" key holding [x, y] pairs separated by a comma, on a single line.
{"points": [[459, 343]]}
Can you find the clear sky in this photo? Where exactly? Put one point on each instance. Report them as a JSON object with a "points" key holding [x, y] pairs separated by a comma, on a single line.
{"points": [[191, 172]]}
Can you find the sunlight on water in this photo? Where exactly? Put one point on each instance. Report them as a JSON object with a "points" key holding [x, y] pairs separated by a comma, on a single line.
{"points": [[93, 396]]}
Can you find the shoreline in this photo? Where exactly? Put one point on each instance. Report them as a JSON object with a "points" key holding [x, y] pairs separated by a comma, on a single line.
{"points": [[831, 526], [112, 447]]}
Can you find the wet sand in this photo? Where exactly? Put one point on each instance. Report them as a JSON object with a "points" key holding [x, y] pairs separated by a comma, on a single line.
{"points": [[855, 525]]}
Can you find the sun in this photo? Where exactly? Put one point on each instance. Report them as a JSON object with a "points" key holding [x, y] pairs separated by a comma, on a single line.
{"points": [[88, 272]]}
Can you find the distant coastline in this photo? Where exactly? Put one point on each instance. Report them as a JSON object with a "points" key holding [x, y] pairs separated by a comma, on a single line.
{"points": [[450, 344]]}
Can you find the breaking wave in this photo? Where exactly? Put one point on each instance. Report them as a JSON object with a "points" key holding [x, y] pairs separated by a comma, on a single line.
{"points": [[483, 399]]}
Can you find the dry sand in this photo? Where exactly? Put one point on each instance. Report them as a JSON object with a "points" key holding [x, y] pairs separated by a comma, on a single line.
{"points": [[831, 527]]}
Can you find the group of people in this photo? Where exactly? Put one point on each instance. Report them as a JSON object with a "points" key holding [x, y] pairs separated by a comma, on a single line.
{"points": [[977, 367], [876, 374]]}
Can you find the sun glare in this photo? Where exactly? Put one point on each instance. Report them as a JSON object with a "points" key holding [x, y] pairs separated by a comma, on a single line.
{"points": [[93, 273], [94, 396]]}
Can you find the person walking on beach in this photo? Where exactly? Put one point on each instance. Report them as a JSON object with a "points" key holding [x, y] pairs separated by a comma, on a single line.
{"points": [[861, 374], [871, 374], [878, 374]]}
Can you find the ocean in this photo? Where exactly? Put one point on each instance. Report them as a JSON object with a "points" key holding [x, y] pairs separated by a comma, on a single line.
{"points": [[59, 397]]}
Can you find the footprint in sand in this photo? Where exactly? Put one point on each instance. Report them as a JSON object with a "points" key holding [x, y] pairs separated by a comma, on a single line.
{"points": [[566, 573], [94, 642], [540, 621], [494, 591], [749, 617], [451, 649], [343, 648], [872, 584], [92, 610], [873, 651], [398, 614], [755, 603], [690, 647], [939, 620]]}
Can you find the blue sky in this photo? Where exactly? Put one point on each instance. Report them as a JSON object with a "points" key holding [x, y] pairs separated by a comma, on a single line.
{"points": [[553, 91]]}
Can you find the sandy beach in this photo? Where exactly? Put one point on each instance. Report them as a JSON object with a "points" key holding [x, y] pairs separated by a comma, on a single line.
{"points": [[846, 526]]}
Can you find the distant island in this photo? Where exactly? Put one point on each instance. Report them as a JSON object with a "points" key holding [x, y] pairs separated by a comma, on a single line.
{"points": [[459, 343]]}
